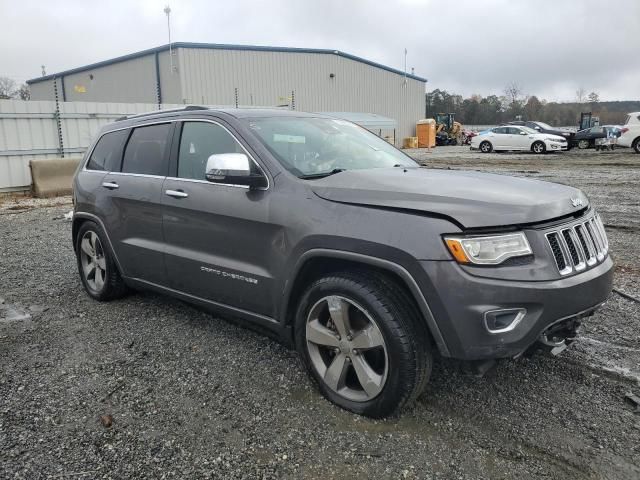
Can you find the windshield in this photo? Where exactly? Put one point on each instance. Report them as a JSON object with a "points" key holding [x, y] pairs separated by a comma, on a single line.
{"points": [[314, 147], [545, 126], [528, 130]]}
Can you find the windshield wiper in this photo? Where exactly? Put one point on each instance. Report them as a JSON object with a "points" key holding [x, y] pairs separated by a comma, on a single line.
{"points": [[323, 174]]}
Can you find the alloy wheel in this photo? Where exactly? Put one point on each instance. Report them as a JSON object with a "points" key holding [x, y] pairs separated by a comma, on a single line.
{"points": [[346, 348], [92, 260]]}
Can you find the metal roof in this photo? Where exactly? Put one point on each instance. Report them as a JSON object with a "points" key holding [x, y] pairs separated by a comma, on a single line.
{"points": [[217, 46]]}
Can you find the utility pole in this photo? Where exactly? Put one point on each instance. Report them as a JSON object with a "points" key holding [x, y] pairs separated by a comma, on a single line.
{"points": [[167, 11]]}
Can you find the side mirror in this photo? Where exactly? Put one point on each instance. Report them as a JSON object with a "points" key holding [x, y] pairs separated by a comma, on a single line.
{"points": [[234, 169], [537, 128], [524, 133]]}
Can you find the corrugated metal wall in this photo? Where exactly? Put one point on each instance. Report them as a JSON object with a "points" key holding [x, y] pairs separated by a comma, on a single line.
{"points": [[30, 130], [269, 78]]}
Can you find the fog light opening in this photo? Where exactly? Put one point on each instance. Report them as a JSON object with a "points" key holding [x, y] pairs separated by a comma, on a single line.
{"points": [[503, 320]]}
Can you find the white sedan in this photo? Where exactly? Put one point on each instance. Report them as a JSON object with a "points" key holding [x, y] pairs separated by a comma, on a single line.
{"points": [[517, 138]]}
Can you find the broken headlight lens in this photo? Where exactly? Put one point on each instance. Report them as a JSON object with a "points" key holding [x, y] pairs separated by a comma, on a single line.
{"points": [[490, 250]]}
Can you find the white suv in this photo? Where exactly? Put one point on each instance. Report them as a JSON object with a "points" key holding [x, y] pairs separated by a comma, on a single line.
{"points": [[631, 132]]}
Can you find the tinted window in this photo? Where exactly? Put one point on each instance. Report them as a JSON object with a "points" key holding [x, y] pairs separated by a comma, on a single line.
{"points": [[198, 141], [514, 131], [108, 152], [146, 150], [500, 130]]}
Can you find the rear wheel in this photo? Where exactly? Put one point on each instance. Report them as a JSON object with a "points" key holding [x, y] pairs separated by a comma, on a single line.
{"points": [[636, 145], [363, 343], [486, 147], [582, 144], [538, 147], [96, 264]]}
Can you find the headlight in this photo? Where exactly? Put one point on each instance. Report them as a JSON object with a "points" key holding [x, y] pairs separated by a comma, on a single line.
{"points": [[491, 250], [551, 139]]}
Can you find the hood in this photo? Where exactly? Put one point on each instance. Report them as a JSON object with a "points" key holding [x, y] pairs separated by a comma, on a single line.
{"points": [[473, 199]]}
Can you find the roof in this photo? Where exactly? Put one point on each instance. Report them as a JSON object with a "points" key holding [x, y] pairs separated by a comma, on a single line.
{"points": [[217, 46]]}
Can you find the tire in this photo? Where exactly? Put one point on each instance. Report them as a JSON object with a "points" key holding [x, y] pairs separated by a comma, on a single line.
{"points": [[394, 353], [96, 265], [583, 144], [538, 147], [636, 145], [486, 147]]}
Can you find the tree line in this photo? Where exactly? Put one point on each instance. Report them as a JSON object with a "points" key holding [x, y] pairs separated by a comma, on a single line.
{"points": [[513, 105], [9, 89]]}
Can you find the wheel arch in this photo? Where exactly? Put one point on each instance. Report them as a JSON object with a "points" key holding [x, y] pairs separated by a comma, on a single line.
{"points": [[318, 262], [79, 218]]}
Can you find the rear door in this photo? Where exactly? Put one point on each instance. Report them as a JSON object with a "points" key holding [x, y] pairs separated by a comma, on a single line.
{"points": [[133, 202], [501, 140], [217, 235]]}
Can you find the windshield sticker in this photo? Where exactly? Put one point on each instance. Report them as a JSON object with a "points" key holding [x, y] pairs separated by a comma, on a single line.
{"points": [[277, 137]]}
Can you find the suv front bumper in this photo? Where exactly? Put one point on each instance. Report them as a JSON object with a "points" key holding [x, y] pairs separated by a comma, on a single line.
{"points": [[459, 301]]}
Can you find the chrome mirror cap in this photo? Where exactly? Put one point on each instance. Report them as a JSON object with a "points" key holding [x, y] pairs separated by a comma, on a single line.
{"points": [[224, 165]]}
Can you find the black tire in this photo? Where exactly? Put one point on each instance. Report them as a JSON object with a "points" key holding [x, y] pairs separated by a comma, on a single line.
{"points": [[486, 147], [112, 286], [406, 340], [538, 147], [636, 145], [583, 144]]}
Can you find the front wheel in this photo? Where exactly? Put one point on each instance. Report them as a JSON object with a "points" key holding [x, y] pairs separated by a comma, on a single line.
{"points": [[538, 147], [362, 341], [486, 147], [583, 144]]}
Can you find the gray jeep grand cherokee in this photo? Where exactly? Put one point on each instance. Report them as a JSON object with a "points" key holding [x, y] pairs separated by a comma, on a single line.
{"points": [[324, 235]]}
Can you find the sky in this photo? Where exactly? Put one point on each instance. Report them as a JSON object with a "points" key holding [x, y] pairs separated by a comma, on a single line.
{"points": [[550, 48]]}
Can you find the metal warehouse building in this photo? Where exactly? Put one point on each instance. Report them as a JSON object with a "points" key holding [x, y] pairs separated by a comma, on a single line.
{"points": [[313, 80]]}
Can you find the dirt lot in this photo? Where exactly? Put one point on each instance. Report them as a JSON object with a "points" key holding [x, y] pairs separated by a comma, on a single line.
{"points": [[193, 396]]}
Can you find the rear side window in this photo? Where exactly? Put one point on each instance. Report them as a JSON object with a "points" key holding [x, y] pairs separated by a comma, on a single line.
{"points": [[146, 150], [107, 153], [500, 130]]}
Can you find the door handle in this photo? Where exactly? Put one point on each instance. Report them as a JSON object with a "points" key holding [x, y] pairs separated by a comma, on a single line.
{"points": [[110, 185], [176, 193]]}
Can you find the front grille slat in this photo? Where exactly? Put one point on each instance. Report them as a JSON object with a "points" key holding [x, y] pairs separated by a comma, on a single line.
{"points": [[578, 246]]}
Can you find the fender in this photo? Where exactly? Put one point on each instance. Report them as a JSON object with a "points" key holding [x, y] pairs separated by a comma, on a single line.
{"points": [[399, 270]]}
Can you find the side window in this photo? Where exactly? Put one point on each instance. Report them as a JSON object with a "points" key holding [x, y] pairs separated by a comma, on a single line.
{"points": [[107, 153], [514, 131], [500, 130], [146, 150], [198, 141]]}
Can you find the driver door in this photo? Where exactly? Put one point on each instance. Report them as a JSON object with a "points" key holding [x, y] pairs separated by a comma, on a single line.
{"points": [[217, 235], [519, 139]]}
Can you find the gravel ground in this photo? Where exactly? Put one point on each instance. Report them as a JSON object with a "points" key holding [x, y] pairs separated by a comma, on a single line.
{"points": [[148, 387]]}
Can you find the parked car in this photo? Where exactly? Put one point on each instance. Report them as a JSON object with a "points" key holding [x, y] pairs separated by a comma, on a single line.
{"points": [[587, 138], [517, 138], [334, 241], [542, 127], [630, 133]]}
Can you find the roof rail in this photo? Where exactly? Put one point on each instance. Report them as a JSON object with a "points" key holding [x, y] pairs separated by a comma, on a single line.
{"points": [[156, 112]]}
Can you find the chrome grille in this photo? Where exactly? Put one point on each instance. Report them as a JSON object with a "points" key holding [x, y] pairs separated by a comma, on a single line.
{"points": [[578, 246]]}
